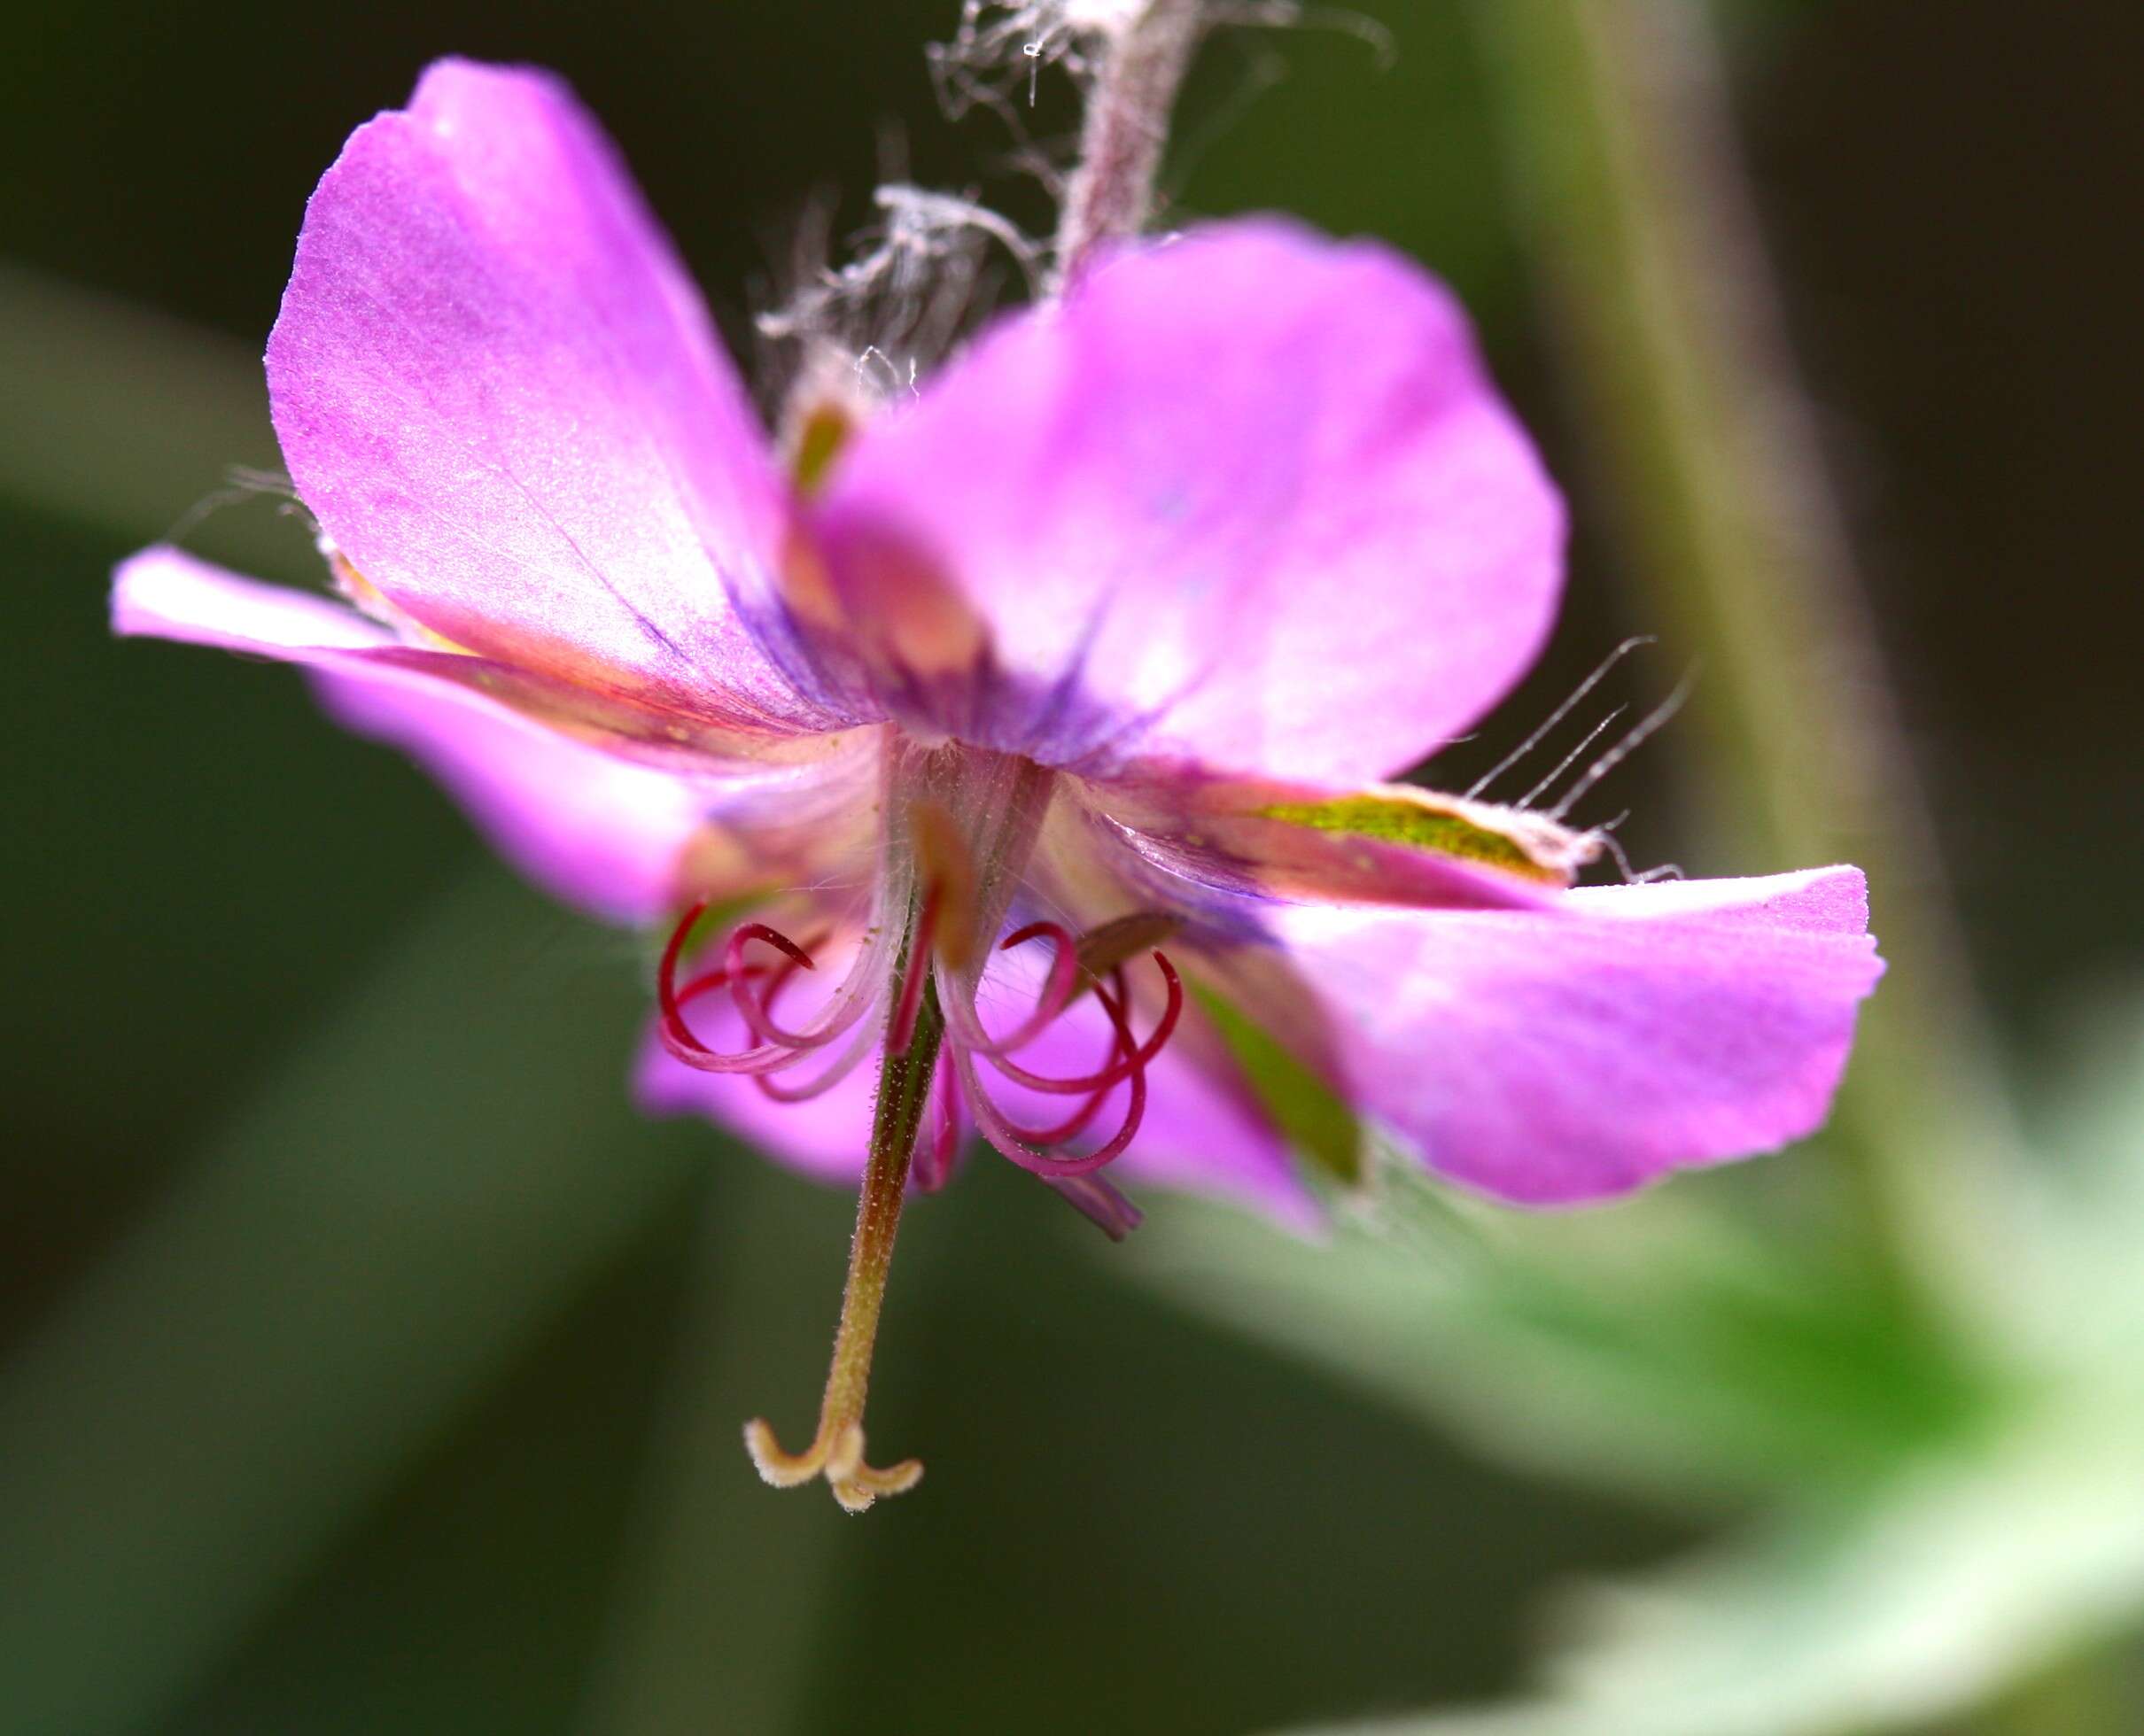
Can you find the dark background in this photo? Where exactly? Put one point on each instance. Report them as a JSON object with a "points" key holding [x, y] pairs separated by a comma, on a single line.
{"points": [[490, 1479]]}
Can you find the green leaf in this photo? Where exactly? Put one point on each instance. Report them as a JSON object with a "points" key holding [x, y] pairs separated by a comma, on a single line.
{"points": [[1962, 1573], [1972, 1558], [1649, 1345]]}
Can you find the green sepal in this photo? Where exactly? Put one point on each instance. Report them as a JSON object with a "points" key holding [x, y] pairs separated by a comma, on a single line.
{"points": [[1422, 822], [1310, 1113], [820, 439]]}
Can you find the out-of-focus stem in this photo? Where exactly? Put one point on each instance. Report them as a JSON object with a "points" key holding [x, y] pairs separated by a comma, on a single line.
{"points": [[1639, 213], [1111, 192], [2091, 1692]]}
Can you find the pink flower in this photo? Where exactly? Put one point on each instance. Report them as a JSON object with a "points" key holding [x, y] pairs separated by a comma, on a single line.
{"points": [[1046, 726]]}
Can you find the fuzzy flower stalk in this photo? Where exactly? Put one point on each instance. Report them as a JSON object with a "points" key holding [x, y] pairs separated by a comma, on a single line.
{"points": [[1008, 759]]}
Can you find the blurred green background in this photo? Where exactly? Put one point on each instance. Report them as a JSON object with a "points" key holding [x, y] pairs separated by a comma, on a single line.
{"points": [[367, 1365]]}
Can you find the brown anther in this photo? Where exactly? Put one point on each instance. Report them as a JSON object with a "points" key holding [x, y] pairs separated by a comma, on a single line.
{"points": [[1122, 938]]}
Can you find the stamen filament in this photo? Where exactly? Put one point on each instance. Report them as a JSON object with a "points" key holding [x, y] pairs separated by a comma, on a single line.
{"points": [[1120, 1044], [779, 1089], [837, 1452], [1013, 1141]]}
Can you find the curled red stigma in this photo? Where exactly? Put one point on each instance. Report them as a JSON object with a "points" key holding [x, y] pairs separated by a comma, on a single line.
{"points": [[753, 1008], [778, 1047], [1128, 1058], [1057, 988], [780, 1089], [1126, 1063], [1125, 1047], [756, 986]]}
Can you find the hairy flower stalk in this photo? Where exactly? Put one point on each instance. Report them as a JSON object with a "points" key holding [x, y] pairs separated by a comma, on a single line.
{"points": [[1008, 712], [1111, 191]]}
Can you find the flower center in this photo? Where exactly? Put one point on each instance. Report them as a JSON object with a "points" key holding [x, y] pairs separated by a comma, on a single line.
{"points": [[965, 826]]}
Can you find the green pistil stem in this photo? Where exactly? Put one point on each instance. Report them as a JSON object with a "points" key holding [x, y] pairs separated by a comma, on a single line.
{"points": [[962, 825], [837, 1450], [904, 1092]]}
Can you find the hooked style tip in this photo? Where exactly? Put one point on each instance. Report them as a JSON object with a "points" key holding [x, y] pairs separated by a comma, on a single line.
{"points": [[777, 1469], [838, 1456]]}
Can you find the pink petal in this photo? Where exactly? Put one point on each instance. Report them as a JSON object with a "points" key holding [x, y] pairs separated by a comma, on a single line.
{"points": [[500, 395], [587, 827], [167, 593], [826, 1137], [163, 592], [1248, 497], [1553, 1056]]}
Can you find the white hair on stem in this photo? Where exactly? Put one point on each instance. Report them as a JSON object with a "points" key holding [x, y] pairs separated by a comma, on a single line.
{"points": [[921, 276], [919, 231], [1000, 47], [1145, 54], [910, 291], [1129, 57]]}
